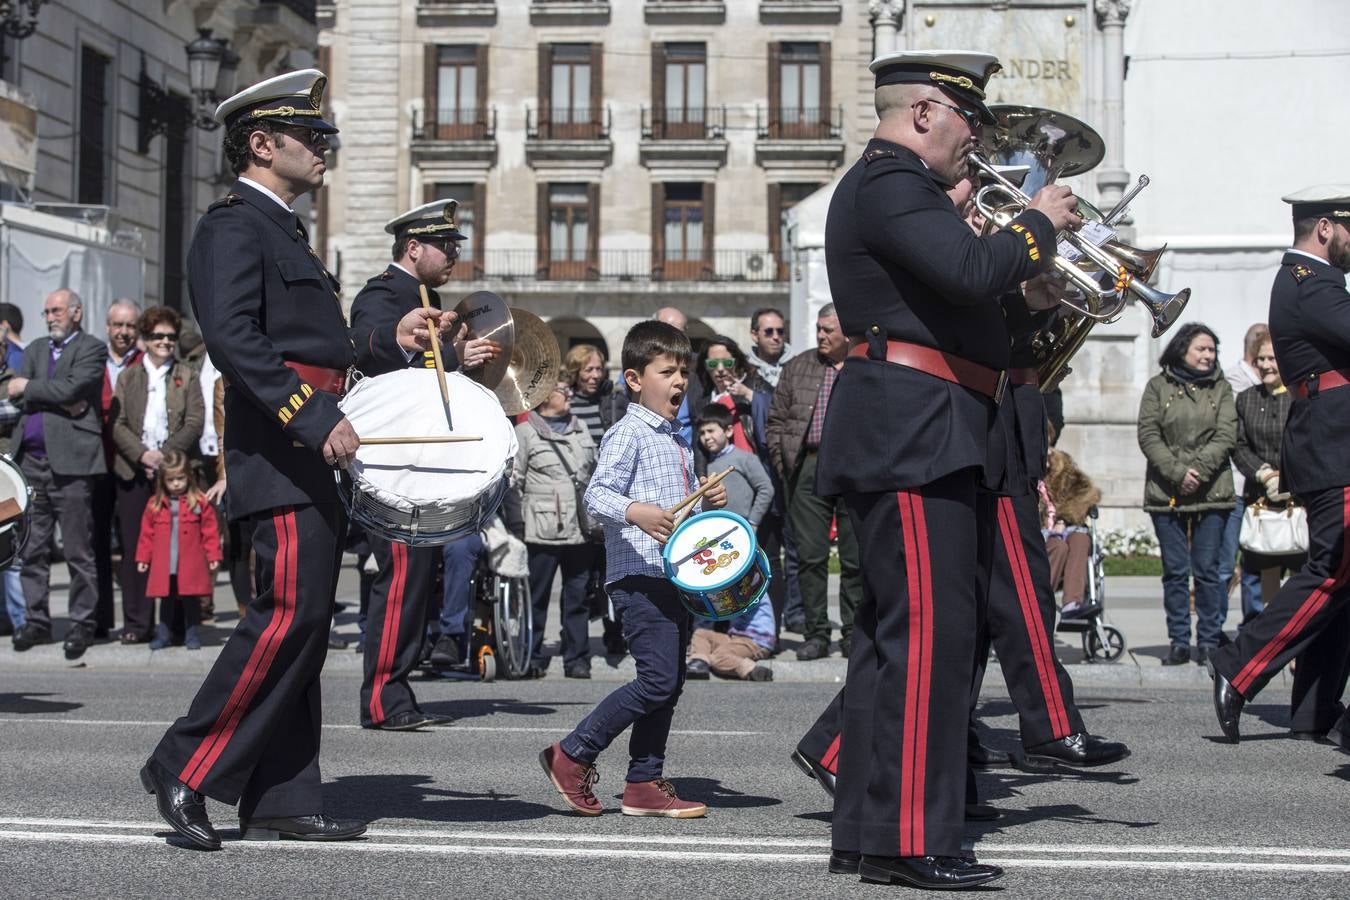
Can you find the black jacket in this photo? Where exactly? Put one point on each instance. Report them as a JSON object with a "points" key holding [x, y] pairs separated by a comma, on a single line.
{"points": [[263, 298], [376, 312], [902, 261], [1310, 328]]}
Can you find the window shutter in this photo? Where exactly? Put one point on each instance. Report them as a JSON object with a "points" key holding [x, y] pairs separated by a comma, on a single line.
{"points": [[775, 77], [593, 228], [479, 227], [428, 191], [597, 100], [658, 230], [430, 89], [541, 231], [545, 87], [826, 101], [775, 211], [709, 226], [481, 63], [658, 89]]}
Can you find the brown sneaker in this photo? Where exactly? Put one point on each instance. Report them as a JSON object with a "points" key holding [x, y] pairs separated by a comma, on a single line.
{"points": [[657, 798], [573, 780]]}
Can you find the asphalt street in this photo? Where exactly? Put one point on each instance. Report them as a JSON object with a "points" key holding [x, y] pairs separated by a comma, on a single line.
{"points": [[465, 810]]}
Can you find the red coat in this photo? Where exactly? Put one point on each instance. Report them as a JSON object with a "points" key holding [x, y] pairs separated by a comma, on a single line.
{"points": [[198, 543]]}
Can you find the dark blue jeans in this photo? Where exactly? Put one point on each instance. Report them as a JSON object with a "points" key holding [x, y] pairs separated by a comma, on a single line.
{"points": [[656, 627], [1191, 544], [460, 558]]}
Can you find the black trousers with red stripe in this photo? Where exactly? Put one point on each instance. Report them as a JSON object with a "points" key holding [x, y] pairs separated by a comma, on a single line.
{"points": [[1323, 668], [1310, 601], [1017, 616], [251, 735], [902, 770], [396, 623]]}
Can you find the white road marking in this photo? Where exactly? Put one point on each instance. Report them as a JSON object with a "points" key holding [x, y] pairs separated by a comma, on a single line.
{"points": [[445, 842], [532, 729]]}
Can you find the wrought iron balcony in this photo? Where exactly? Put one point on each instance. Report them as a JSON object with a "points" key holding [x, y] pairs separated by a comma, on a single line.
{"points": [[684, 123], [457, 124], [575, 123], [778, 123]]}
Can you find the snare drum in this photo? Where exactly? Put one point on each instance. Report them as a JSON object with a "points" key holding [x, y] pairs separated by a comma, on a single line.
{"points": [[425, 494], [14, 533], [715, 561]]}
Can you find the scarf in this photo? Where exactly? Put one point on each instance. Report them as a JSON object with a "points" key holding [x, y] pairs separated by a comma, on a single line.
{"points": [[155, 428], [1186, 375]]}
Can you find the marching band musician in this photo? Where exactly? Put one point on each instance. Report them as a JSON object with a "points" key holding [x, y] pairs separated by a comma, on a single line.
{"points": [[273, 324], [1310, 326], [918, 293], [426, 245]]}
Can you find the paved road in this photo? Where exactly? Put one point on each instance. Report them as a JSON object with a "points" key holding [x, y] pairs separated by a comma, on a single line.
{"points": [[466, 811]]}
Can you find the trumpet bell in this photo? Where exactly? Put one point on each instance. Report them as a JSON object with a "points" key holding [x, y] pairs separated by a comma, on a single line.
{"points": [[1164, 308], [1141, 263], [1051, 143]]}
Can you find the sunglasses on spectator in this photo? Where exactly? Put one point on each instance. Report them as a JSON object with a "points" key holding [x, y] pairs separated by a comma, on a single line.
{"points": [[770, 331], [712, 365], [170, 336]]}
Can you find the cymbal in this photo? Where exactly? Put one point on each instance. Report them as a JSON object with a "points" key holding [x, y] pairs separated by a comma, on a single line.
{"points": [[487, 316], [534, 362]]}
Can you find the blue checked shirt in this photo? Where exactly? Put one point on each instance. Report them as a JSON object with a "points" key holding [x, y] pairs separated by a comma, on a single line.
{"points": [[643, 459]]}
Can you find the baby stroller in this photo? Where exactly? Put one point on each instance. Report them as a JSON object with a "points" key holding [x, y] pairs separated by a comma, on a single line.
{"points": [[503, 631], [1102, 641]]}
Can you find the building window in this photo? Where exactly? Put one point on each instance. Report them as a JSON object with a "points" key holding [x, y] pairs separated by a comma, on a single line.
{"points": [[682, 230], [174, 226], [782, 197], [92, 172], [456, 93], [469, 219], [570, 91], [680, 87], [569, 230], [799, 90]]}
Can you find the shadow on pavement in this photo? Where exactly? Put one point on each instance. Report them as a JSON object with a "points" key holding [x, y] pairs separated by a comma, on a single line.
{"points": [[477, 709], [373, 797], [718, 796], [29, 703]]}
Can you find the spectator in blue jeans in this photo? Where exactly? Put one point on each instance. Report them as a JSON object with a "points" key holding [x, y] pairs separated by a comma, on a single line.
{"points": [[1187, 429]]}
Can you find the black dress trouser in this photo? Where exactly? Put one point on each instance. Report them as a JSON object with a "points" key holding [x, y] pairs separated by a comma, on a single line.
{"points": [[396, 623], [252, 733]]}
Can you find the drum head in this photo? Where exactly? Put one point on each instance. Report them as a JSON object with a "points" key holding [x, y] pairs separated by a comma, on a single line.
{"points": [[13, 486], [710, 551]]}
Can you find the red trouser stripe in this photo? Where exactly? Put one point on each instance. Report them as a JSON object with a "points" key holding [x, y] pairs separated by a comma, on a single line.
{"points": [[914, 751], [1041, 650], [1310, 607], [393, 611], [259, 660], [830, 762]]}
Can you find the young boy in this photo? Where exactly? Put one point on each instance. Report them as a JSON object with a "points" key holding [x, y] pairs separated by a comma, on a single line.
{"points": [[751, 636], [644, 468]]}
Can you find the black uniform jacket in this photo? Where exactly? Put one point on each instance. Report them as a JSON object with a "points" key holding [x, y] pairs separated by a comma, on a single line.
{"points": [[376, 312], [902, 261], [262, 298], [1017, 441], [1310, 327]]}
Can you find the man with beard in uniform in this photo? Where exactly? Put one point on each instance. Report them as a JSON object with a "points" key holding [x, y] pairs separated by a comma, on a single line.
{"points": [[917, 292], [273, 324], [425, 250], [1310, 326]]}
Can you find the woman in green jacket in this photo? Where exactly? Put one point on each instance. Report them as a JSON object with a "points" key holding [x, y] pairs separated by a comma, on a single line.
{"points": [[1187, 430]]}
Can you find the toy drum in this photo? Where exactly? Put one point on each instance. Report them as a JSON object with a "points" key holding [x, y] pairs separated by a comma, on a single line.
{"points": [[13, 515], [715, 561]]}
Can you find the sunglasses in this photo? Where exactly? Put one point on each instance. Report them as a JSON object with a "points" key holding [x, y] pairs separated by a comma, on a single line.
{"points": [[712, 365], [770, 331], [972, 118], [169, 336]]}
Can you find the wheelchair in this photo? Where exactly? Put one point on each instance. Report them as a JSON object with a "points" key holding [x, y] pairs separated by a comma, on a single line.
{"points": [[502, 635], [1102, 641]]}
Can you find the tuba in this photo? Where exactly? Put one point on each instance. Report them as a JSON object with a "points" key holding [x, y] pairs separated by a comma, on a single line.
{"points": [[1101, 278]]}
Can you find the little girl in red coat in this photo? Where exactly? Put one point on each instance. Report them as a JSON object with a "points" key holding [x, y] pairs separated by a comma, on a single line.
{"points": [[179, 546]]}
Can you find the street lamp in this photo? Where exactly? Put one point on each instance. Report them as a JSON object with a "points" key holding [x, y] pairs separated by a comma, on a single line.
{"points": [[211, 69], [18, 18]]}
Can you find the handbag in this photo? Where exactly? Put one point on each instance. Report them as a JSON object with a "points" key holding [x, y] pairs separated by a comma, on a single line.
{"points": [[1274, 532], [591, 530]]}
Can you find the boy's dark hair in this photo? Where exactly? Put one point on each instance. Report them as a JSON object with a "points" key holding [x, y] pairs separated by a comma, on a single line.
{"points": [[647, 340], [237, 151], [13, 315], [715, 413]]}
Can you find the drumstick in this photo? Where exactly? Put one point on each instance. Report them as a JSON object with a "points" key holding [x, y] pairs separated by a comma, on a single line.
{"points": [[429, 439], [707, 486], [434, 335]]}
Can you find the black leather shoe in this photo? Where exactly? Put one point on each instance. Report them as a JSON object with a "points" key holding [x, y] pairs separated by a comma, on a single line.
{"points": [[981, 812], [1081, 751], [409, 720], [335, 642], [1315, 737], [813, 649], [302, 828], [578, 671], [844, 862], [29, 636], [815, 770], [78, 639], [1177, 656], [1339, 737], [1202, 654], [1228, 705], [445, 654], [979, 756], [697, 670], [932, 872], [434, 720], [845, 645], [179, 805]]}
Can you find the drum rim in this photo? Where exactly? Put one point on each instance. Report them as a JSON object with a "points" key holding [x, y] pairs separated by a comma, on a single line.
{"points": [[22, 490], [703, 516]]}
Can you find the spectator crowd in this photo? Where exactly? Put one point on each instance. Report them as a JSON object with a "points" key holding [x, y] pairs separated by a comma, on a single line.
{"points": [[119, 439]]}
